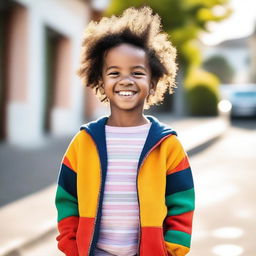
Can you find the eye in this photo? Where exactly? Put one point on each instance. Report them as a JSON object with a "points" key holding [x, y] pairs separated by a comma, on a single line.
{"points": [[138, 73], [113, 73]]}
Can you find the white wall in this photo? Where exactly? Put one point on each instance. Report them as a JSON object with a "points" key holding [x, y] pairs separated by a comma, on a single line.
{"points": [[25, 120]]}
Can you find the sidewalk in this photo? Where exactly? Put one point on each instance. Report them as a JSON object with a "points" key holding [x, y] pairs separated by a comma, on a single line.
{"points": [[27, 220]]}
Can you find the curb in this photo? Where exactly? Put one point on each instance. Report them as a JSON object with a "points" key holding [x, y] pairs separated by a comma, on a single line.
{"points": [[39, 218], [193, 144]]}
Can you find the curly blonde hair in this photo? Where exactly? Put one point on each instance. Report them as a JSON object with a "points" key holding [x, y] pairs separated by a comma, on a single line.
{"points": [[138, 27]]}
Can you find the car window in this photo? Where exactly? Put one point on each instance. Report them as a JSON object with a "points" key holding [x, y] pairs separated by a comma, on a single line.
{"points": [[245, 94]]}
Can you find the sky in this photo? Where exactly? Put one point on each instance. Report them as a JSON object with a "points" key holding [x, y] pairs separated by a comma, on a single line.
{"points": [[240, 24]]}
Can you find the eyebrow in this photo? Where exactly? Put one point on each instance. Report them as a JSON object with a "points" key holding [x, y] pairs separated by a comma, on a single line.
{"points": [[139, 66], [111, 67]]}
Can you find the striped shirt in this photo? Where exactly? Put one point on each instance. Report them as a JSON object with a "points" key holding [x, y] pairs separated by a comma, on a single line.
{"points": [[120, 210]]}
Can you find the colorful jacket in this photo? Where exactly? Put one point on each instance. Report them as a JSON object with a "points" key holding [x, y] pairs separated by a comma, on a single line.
{"points": [[164, 186]]}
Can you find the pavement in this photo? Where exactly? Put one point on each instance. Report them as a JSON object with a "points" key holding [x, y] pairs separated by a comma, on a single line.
{"points": [[27, 220]]}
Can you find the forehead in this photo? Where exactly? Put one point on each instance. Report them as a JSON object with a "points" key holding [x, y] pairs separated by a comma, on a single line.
{"points": [[125, 54]]}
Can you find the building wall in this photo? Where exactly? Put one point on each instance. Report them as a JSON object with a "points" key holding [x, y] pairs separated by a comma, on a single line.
{"points": [[238, 58], [27, 72]]}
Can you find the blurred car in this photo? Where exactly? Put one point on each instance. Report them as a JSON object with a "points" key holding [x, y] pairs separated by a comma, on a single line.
{"points": [[243, 100]]}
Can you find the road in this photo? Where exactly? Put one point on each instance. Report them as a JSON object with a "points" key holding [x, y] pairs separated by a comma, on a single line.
{"points": [[224, 176], [26, 170]]}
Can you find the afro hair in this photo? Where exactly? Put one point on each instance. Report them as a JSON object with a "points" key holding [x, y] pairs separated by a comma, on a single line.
{"points": [[138, 27]]}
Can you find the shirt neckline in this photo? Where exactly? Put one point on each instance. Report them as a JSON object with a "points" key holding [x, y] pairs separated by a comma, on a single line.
{"points": [[128, 129]]}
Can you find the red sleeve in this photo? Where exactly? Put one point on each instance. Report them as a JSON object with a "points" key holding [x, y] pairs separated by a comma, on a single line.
{"points": [[67, 238]]}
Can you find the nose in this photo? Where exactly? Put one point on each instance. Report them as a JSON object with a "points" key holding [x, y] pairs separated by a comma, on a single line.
{"points": [[126, 81]]}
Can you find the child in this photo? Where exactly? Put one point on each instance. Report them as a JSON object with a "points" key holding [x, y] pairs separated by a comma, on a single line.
{"points": [[125, 186]]}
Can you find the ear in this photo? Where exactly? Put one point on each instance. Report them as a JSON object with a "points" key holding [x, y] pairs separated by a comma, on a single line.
{"points": [[153, 83], [100, 82]]}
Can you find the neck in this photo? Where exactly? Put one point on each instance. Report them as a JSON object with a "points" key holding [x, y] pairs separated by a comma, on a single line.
{"points": [[127, 119]]}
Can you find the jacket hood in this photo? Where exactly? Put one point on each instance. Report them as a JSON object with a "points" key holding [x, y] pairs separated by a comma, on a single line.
{"points": [[96, 129]]}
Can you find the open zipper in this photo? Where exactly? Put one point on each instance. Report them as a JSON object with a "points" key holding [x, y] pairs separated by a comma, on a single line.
{"points": [[101, 187], [98, 202], [139, 168]]}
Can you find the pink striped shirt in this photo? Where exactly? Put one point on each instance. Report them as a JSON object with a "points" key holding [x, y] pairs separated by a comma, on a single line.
{"points": [[120, 211]]}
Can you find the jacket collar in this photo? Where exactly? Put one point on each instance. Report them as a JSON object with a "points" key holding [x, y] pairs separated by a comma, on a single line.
{"points": [[156, 133]]}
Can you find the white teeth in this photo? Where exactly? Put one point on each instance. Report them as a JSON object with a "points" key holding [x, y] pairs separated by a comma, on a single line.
{"points": [[126, 93]]}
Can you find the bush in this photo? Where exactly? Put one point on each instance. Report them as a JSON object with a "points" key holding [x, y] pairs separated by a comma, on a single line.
{"points": [[202, 101], [202, 93]]}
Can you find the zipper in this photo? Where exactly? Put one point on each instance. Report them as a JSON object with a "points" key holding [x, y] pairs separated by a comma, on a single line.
{"points": [[98, 201], [101, 186], [143, 160]]}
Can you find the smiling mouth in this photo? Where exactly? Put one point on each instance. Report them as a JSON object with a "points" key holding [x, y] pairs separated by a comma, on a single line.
{"points": [[126, 93]]}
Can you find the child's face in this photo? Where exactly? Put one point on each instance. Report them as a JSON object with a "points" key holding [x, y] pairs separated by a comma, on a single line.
{"points": [[126, 78]]}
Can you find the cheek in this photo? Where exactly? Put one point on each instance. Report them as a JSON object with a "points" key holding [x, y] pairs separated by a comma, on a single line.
{"points": [[108, 85], [145, 83], [107, 82]]}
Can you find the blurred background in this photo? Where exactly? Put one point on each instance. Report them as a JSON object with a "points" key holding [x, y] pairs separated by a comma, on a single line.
{"points": [[43, 104]]}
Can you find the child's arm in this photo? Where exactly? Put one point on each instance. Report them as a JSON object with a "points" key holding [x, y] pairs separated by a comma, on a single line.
{"points": [[180, 199], [66, 203]]}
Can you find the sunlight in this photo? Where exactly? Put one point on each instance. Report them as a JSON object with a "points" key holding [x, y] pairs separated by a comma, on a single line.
{"points": [[240, 24], [228, 249], [228, 232], [224, 106]]}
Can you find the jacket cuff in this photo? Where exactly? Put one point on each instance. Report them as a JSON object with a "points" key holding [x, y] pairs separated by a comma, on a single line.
{"points": [[68, 246]]}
